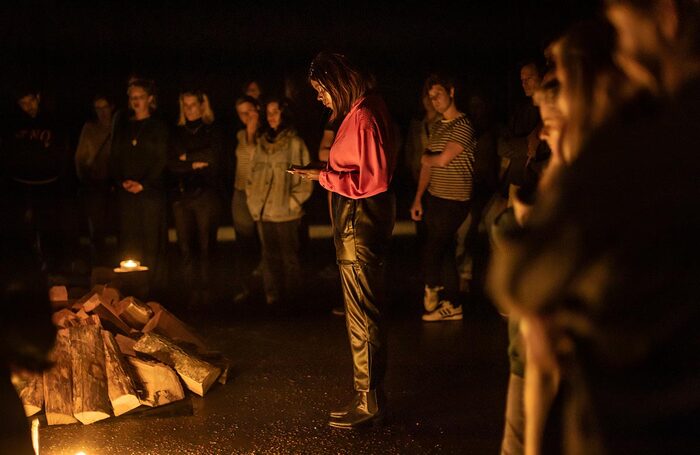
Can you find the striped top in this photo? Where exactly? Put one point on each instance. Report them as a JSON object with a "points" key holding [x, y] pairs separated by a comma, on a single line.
{"points": [[244, 158], [454, 181]]}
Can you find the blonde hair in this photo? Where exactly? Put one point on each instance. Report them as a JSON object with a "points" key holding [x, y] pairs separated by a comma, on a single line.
{"points": [[203, 99]]}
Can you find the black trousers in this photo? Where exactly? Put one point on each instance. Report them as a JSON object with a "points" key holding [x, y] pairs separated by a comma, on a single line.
{"points": [[248, 243], [362, 236], [99, 213], [442, 220], [280, 254], [143, 233], [196, 222]]}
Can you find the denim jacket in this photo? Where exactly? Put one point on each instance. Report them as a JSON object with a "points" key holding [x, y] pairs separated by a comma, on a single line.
{"points": [[274, 194]]}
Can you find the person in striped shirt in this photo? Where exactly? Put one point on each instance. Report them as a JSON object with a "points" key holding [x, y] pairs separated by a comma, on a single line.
{"points": [[443, 199]]}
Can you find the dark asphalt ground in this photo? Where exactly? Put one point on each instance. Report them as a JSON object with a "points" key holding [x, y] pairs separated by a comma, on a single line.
{"points": [[446, 382]]}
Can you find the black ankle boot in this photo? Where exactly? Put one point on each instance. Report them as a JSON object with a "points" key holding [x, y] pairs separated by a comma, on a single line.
{"points": [[347, 408], [366, 408]]}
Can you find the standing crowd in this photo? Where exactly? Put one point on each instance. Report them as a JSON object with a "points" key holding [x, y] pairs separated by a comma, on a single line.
{"points": [[585, 196]]}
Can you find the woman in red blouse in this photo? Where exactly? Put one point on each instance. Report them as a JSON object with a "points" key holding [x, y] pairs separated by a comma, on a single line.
{"points": [[358, 173]]}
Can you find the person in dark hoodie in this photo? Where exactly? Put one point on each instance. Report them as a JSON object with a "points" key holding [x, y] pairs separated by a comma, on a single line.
{"points": [[36, 161], [194, 159]]}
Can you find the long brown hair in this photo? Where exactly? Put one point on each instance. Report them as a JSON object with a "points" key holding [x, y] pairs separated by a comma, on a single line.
{"points": [[593, 85], [344, 82]]}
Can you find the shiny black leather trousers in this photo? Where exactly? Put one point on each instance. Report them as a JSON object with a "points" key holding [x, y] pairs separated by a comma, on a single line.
{"points": [[362, 236]]}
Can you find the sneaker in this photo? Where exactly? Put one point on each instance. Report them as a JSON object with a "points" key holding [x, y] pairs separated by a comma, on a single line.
{"points": [[446, 312], [431, 298]]}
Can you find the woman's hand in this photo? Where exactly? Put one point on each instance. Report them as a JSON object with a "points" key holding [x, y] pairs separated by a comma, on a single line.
{"points": [[199, 165], [307, 174], [417, 210]]}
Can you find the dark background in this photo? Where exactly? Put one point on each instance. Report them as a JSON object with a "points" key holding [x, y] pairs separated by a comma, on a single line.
{"points": [[72, 52]]}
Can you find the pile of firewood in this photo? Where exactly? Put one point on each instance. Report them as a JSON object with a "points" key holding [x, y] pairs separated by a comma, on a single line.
{"points": [[114, 355]]}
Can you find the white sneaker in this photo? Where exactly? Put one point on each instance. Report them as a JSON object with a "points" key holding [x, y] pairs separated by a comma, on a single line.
{"points": [[446, 312], [431, 298]]}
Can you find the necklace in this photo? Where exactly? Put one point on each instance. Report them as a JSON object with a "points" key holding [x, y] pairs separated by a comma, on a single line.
{"points": [[135, 139], [194, 131]]}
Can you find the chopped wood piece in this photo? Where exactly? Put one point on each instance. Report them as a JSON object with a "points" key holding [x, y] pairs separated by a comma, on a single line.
{"points": [[197, 374], [30, 388], [82, 314], [126, 345], [134, 312], [65, 318], [58, 297], [58, 294], [221, 361], [158, 383], [165, 323], [111, 295], [120, 384], [108, 316], [91, 319], [58, 383], [90, 398]]}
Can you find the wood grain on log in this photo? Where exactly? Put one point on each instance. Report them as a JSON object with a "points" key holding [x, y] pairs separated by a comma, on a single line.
{"points": [[158, 383], [165, 323], [58, 383], [65, 318], [126, 345], [197, 374], [30, 388], [120, 384], [108, 315], [134, 312], [90, 398]]}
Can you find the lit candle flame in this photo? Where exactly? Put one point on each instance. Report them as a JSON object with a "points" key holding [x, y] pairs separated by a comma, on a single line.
{"points": [[129, 264]]}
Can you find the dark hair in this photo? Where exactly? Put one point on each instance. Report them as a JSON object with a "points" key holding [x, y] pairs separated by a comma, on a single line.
{"points": [[688, 18], [595, 85], [286, 109], [25, 90], [344, 81], [447, 82], [248, 99], [103, 96], [286, 120], [540, 64]]}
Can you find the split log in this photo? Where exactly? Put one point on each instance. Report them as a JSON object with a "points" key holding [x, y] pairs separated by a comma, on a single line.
{"points": [[111, 295], [218, 359], [108, 315], [158, 383], [65, 318], [197, 374], [134, 312], [126, 345], [58, 297], [120, 384], [165, 323], [30, 388], [58, 294], [58, 383], [90, 398]]}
